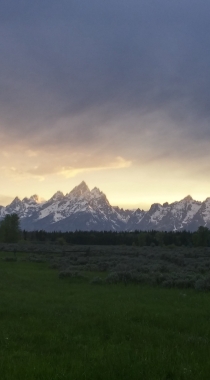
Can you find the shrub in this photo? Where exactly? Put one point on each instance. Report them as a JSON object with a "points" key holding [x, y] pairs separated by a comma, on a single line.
{"points": [[183, 283], [112, 278], [81, 261], [68, 272], [125, 277], [60, 241], [97, 281], [103, 267], [169, 283], [37, 259], [54, 266], [71, 274], [203, 284], [10, 259], [121, 267], [92, 268]]}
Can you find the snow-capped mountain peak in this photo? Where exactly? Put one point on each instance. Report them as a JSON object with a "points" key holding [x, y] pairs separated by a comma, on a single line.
{"points": [[57, 196], [96, 192], [80, 190], [15, 201], [35, 198], [188, 198], [82, 209]]}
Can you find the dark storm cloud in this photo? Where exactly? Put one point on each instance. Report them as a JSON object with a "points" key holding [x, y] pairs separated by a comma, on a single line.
{"points": [[69, 69]]}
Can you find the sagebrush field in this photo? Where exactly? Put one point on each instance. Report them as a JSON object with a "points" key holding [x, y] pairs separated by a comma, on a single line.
{"points": [[92, 317]]}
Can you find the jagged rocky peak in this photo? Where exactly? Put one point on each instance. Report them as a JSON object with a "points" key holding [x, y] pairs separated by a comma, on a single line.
{"points": [[79, 190], [188, 198], [34, 198], [57, 196], [138, 211], [96, 192], [99, 196], [15, 201], [118, 209], [25, 200], [166, 204], [155, 206]]}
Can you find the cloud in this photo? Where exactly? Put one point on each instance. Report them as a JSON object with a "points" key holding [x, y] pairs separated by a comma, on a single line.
{"points": [[69, 172], [26, 164], [103, 78]]}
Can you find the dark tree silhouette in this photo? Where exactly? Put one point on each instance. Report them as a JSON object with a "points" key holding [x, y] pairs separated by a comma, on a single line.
{"points": [[10, 229]]}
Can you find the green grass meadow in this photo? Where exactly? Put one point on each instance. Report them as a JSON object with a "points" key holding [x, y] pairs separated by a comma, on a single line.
{"points": [[53, 328]]}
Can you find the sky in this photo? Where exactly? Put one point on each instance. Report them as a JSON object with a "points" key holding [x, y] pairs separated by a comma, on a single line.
{"points": [[115, 93]]}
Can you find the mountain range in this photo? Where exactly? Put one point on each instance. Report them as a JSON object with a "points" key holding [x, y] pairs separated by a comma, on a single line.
{"points": [[85, 209]]}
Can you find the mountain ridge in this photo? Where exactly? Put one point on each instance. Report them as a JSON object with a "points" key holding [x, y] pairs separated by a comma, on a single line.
{"points": [[85, 209]]}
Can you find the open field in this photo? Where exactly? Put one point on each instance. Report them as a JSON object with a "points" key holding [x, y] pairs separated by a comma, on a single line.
{"points": [[65, 327]]}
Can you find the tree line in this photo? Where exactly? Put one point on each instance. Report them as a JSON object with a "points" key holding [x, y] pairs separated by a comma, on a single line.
{"points": [[10, 232]]}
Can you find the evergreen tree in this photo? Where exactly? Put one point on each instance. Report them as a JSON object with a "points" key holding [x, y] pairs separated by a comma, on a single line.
{"points": [[10, 229]]}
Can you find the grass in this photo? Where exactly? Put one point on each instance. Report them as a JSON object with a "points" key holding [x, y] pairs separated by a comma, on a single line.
{"points": [[70, 329]]}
